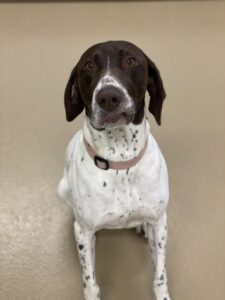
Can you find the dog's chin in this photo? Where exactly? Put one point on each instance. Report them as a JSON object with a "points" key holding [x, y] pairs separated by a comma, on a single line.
{"points": [[113, 120]]}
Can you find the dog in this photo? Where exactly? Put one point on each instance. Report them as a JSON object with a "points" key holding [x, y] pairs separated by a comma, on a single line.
{"points": [[115, 175]]}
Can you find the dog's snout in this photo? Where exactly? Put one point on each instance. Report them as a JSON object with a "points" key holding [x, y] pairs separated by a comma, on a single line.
{"points": [[109, 98]]}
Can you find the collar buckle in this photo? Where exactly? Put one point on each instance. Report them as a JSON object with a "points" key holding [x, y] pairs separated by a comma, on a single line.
{"points": [[101, 163]]}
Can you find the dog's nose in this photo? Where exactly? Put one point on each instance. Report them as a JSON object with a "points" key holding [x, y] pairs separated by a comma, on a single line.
{"points": [[109, 98]]}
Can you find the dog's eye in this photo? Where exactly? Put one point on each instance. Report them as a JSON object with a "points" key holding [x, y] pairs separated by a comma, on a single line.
{"points": [[89, 65], [131, 61]]}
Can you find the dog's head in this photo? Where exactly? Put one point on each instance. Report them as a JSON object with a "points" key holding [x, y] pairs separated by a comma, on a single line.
{"points": [[110, 81]]}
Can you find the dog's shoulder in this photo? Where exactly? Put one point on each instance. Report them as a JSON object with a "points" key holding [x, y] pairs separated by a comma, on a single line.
{"points": [[153, 148], [73, 146]]}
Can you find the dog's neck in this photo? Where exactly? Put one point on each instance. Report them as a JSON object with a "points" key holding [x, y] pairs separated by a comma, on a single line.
{"points": [[118, 144]]}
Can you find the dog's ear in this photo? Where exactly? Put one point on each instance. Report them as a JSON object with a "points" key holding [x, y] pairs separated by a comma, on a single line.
{"points": [[72, 98], [155, 90]]}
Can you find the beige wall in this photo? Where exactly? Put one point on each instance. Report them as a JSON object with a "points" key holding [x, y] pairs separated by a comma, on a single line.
{"points": [[39, 44]]}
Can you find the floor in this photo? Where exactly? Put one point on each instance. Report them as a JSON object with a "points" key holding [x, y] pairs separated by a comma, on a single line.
{"points": [[39, 45]]}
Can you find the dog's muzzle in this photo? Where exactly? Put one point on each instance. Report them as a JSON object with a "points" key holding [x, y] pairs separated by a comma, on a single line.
{"points": [[112, 105]]}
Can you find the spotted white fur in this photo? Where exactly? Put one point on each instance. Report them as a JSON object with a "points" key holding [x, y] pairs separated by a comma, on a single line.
{"points": [[135, 197]]}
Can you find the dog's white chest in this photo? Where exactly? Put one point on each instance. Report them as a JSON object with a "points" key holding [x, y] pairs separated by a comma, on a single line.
{"points": [[117, 199]]}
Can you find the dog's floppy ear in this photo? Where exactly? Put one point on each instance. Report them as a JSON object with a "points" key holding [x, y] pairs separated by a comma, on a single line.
{"points": [[156, 91], [72, 98]]}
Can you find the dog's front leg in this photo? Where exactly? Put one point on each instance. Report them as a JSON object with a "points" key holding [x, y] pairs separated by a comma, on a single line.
{"points": [[157, 235], [86, 249]]}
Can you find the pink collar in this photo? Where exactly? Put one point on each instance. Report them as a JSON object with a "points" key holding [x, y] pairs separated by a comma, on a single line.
{"points": [[104, 164]]}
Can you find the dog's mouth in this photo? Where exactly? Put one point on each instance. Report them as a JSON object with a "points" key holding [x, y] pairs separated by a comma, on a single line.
{"points": [[114, 119]]}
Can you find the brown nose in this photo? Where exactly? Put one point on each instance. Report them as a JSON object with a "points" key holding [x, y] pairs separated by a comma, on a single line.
{"points": [[109, 98]]}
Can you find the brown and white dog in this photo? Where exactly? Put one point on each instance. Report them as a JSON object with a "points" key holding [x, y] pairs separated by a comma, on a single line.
{"points": [[115, 175]]}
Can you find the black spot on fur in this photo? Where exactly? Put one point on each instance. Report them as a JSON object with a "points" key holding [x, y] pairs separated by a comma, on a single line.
{"points": [[159, 284], [104, 184], [127, 171], [135, 149], [81, 246], [112, 149], [82, 158], [87, 277]]}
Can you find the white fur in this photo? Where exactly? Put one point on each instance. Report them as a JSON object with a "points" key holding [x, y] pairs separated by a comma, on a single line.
{"points": [[117, 199]]}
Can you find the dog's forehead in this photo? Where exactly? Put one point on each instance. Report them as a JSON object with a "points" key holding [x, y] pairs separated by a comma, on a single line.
{"points": [[111, 50]]}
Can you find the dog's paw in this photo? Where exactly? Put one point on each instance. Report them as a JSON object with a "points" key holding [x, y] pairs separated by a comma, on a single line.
{"points": [[91, 292], [161, 291], [142, 230], [166, 297]]}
